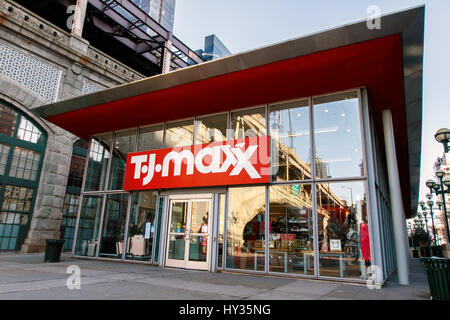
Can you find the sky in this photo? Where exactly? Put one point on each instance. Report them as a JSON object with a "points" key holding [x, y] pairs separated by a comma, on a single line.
{"points": [[244, 25]]}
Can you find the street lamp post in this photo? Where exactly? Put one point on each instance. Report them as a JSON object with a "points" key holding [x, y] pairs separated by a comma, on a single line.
{"points": [[424, 213], [443, 136], [430, 203], [438, 189]]}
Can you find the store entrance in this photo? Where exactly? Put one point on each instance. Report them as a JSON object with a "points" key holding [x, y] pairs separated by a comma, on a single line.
{"points": [[188, 242]]}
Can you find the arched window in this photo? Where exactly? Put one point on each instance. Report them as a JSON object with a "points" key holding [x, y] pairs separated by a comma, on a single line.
{"points": [[22, 145]]}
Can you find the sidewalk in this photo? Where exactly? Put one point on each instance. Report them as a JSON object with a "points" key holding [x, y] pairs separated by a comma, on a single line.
{"points": [[26, 277]]}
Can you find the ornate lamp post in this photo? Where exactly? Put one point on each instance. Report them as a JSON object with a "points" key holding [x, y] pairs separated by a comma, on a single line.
{"points": [[443, 136], [424, 213], [430, 203], [439, 189]]}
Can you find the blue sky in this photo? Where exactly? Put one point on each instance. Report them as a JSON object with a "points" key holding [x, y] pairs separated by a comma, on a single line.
{"points": [[248, 24]]}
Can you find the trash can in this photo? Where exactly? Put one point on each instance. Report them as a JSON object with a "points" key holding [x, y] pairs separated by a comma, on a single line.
{"points": [[53, 249], [436, 251], [438, 274]]}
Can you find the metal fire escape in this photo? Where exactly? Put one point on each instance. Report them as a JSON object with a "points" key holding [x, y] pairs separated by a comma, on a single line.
{"points": [[134, 28]]}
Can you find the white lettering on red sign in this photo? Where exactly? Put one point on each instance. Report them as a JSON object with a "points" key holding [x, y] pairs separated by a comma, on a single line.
{"points": [[217, 159]]}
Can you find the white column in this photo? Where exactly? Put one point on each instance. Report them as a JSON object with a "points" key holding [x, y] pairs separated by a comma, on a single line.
{"points": [[398, 216], [78, 18]]}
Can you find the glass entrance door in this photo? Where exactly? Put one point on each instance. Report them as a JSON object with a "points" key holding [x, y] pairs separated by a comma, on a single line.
{"points": [[188, 243]]}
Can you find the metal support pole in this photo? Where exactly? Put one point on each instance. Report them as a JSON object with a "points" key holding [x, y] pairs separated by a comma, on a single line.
{"points": [[167, 56], [434, 229], [445, 208], [78, 18], [398, 217]]}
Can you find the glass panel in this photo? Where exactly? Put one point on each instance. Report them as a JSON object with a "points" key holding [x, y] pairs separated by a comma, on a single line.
{"points": [[179, 134], [29, 132], [291, 244], [98, 163], [124, 143], [198, 248], [245, 228], [337, 132], [177, 229], [248, 123], [211, 128], [111, 243], [198, 244], [289, 129], [70, 210], [87, 236], [141, 229], [76, 172], [4, 153], [8, 120], [151, 138], [179, 217], [343, 230], [221, 228], [199, 217], [17, 198], [176, 247], [24, 164]]}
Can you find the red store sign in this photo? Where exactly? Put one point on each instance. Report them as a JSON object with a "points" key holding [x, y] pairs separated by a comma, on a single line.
{"points": [[243, 161]]}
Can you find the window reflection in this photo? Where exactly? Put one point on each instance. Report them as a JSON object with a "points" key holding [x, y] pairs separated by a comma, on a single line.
{"points": [[179, 134], [245, 231], [291, 229], [289, 129], [211, 129], [87, 234], [98, 163], [141, 228], [343, 230], [151, 138], [111, 244], [337, 131], [248, 123], [124, 143]]}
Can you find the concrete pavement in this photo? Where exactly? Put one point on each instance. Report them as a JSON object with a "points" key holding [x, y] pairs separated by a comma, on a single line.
{"points": [[27, 277]]}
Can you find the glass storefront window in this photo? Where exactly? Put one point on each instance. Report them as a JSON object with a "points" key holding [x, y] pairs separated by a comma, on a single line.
{"points": [[248, 123], [141, 229], [69, 212], [113, 233], [151, 138], [344, 249], [337, 134], [245, 228], [211, 128], [290, 132], [291, 240], [179, 134], [87, 234], [124, 143], [98, 163]]}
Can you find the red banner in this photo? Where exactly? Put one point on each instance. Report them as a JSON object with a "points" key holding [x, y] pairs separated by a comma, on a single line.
{"points": [[243, 161]]}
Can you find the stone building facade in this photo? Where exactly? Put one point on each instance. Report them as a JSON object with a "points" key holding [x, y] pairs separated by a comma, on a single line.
{"points": [[41, 63]]}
